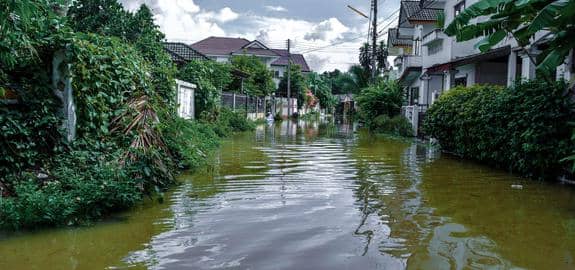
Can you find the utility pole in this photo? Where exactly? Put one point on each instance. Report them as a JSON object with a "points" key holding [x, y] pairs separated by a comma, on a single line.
{"points": [[289, 78], [374, 49]]}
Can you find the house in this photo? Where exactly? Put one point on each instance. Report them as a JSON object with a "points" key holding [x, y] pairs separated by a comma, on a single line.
{"points": [[430, 63], [222, 49]]}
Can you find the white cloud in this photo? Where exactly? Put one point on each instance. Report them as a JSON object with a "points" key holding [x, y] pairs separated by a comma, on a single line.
{"points": [[276, 8], [183, 20]]}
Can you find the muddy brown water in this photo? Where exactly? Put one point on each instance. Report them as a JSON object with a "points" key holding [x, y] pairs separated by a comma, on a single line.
{"points": [[320, 196]]}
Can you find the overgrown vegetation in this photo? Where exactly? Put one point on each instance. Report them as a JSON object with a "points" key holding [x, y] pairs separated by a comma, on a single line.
{"points": [[211, 78], [380, 108], [129, 143], [522, 129]]}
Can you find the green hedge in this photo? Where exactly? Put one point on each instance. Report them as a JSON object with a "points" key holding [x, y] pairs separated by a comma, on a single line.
{"points": [[398, 126], [522, 129]]}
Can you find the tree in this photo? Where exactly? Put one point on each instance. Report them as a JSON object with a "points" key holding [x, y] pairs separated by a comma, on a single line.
{"points": [[297, 85], [108, 18], [366, 58], [321, 89], [259, 81], [382, 98], [210, 77], [521, 19]]}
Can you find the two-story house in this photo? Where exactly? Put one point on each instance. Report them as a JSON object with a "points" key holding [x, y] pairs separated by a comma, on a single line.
{"points": [[436, 63], [222, 49]]}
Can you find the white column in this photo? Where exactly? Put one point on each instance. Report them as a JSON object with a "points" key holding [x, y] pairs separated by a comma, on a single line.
{"points": [[527, 68], [511, 68], [423, 88], [447, 82]]}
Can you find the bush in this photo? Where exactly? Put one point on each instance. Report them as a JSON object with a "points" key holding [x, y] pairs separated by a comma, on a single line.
{"points": [[84, 185], [522, 128], [237, 121], [190, 142], [398, 126], [384, 98]]}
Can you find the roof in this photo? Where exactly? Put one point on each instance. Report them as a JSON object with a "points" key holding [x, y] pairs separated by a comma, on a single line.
{"points": [[392, 38], [220, 45], [297, 59], [412, 11], [181, 52]]}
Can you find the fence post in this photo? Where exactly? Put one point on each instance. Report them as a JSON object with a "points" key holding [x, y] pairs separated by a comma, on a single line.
{"points": [[234, 102]]}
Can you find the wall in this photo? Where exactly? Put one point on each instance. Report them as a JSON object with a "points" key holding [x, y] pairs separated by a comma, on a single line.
{"points": [[467, 71]]}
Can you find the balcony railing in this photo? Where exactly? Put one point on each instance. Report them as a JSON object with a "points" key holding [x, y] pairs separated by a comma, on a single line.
{"points": [[432, 37]]}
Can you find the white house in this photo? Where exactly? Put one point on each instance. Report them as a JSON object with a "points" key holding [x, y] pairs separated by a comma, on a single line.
{"points": [[430, 63], [222, 49]]}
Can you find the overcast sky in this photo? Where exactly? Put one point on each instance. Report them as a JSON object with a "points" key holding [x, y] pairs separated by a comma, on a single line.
{"points": [[311, 24]]}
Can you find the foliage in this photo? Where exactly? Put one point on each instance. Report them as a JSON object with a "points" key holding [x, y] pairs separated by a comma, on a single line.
{"points": [[104, 80], [297, 85], [25, 25], [321, 89], [237, 121], [521, 128], [108, 18], [521, 19], [85, 184], [398, 126], [259, 81], [29, 132], [366, 57], [210, 77], [383, 98]]}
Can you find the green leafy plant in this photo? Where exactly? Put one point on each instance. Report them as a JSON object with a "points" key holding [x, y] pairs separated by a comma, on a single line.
{"points": [[211, 78], [521, 129], [259, 81], [521, 19], [383, 98], [397, 126]]}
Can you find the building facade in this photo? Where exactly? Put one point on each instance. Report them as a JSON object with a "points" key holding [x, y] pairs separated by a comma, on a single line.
{"points": [[430, 63], [222, 49]]}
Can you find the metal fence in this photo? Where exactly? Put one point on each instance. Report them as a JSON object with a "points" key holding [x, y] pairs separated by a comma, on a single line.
{"points": [[255, 107]]}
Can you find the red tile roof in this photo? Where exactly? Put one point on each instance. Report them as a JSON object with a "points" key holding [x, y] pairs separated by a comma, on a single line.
{"points": [[220, 45], [297, 59]]}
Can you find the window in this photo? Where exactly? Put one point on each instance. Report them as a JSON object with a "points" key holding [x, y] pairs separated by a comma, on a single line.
{"points": [[460, 81], [457, 9], [276, 74], [414, 95], [435, 48]]}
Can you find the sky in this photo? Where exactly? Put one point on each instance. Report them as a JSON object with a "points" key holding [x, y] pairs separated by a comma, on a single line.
{"points": [[314, 26]]}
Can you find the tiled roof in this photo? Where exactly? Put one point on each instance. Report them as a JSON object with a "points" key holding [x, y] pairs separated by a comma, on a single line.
{"points": [[181, 52], [220, 45], [297, 59], [395, 41], [413, 11]]}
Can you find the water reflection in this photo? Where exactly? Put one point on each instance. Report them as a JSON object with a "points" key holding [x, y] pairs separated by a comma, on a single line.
{"points": [[319, 195]]}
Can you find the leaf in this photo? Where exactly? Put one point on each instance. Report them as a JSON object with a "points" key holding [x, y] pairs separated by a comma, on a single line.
{"points": [[547, 16]]}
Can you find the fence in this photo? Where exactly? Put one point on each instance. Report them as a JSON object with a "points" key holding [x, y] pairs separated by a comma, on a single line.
{"points": [[255, 107], [258, 107]]}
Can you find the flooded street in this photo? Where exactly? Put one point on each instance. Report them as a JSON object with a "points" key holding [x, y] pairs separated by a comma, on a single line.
{"points": [[320, 196]]}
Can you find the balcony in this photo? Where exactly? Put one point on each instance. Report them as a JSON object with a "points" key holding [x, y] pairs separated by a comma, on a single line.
{"points": [[408, 66], [433, 37]]}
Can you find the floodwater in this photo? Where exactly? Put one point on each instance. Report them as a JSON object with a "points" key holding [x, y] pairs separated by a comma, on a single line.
{"points": [[320, 196]]}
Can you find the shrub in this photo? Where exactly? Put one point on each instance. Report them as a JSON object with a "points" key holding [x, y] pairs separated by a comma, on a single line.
{"points": [[237, 121], [84, 185], [522, 128], [384, 98], [190, 142], [398, 126], [210, 77]]}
